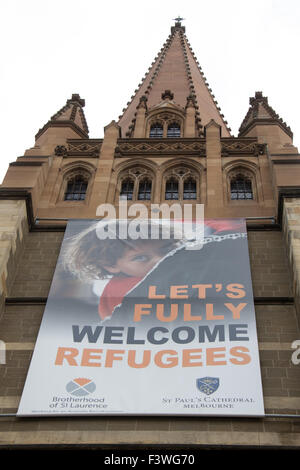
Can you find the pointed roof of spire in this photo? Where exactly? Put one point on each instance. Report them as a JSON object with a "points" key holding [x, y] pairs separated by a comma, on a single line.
{"points": [[71, 114], [260, 112], [175, 68]]}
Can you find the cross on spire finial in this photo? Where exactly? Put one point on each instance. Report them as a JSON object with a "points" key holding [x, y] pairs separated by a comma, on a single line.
{"points": [[178, 19], [178, 25]]}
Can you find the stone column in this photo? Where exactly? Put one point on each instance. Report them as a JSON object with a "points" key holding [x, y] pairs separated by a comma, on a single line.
{"points": [[158, 188], [139, 129], [214, 164], [13, 219], [266, 181], [190, 114]]}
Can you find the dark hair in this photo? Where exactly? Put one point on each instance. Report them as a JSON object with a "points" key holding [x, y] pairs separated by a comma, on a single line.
{"points": [[86, 254]]}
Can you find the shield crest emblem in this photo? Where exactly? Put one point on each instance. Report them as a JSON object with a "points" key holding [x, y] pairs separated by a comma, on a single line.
{"points": [[208, 385]]}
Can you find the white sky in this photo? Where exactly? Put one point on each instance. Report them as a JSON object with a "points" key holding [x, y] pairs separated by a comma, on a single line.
{"points": [[53, 48]]}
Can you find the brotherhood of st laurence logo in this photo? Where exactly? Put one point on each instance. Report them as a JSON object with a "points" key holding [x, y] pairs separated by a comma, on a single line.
{"points": [[208, 385], [80, 387]]}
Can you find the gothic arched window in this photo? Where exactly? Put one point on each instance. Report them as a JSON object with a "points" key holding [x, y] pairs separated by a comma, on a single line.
{"points": [[172, 189], [127, 188], [181, 183], [145, 187], [173, 130], [241, 188], [156, 130], [135, 184], [76, 188], [189, 189]]}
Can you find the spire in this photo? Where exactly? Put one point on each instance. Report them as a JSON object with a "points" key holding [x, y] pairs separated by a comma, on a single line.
{"points": [[175, 69], [260, 112], [70, 115]]}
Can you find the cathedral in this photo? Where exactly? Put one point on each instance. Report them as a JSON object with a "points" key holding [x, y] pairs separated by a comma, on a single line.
{"points": [[170, 144]]}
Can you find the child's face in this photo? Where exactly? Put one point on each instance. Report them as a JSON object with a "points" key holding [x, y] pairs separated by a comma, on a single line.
{"points": [[138, 261]]}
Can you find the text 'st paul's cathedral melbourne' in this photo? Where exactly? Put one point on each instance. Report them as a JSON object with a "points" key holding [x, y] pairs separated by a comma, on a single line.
{"points": [[171, 144]]}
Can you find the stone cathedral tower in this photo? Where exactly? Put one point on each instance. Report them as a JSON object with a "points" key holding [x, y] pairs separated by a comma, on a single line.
{"points": [[171, 143]]}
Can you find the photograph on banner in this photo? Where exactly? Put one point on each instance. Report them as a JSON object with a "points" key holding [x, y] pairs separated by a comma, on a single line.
{"points": [[147, 318]]}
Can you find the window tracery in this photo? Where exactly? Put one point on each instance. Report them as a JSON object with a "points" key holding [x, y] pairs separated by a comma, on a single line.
{"points": [[167, 125], [76, 185], [173, 130], [144, 191], [241, 184], [190, 188], [241, 188], [127, 188], [136, 184], [181, 184], [156, 130], [172, 187]]}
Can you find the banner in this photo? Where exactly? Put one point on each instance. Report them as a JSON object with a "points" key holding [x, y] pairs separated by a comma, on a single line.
{"points": [[142, 321]]}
